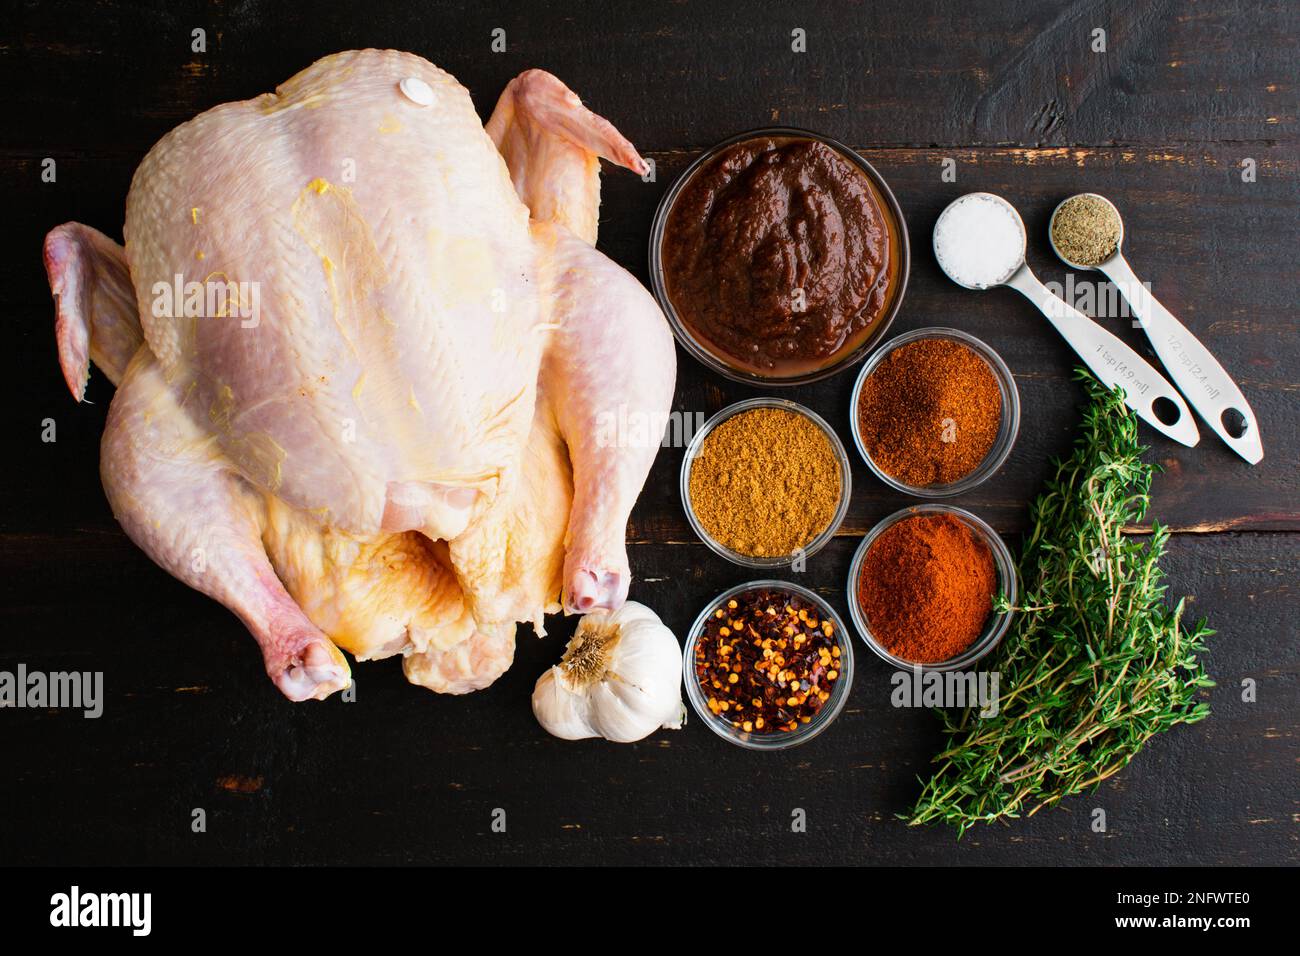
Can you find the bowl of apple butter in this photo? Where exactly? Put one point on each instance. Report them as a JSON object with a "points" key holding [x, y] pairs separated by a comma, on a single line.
{"points": [[779, 256]]}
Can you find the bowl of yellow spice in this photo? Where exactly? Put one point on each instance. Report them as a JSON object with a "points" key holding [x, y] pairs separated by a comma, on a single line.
{"points": [[765, 483]]}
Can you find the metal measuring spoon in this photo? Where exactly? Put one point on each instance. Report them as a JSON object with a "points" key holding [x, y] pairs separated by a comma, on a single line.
{"points": [[1113, 362], [1209, 389]]}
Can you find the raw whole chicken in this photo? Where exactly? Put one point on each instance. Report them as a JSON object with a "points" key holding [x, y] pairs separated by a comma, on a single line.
{"points": [[391, 437]]}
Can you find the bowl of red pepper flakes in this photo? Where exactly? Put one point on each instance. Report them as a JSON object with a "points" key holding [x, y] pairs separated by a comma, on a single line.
{"points": [[768, 665]]}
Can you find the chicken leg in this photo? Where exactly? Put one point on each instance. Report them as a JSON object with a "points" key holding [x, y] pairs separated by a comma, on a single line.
{"points": [[180, 501], [610, 361], [610, 367], [170, 488]]}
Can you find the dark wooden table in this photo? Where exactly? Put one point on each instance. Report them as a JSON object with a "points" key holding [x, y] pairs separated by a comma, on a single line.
{"points": [[1014, 94]]}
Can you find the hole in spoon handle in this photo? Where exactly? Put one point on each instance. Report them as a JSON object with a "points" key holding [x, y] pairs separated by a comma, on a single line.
{"points": [[1165, 410], [1235, 422], [1192, 367]]}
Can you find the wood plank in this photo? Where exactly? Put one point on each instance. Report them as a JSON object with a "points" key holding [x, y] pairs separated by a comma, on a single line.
{"points": [[1161, 122], [685, 73], [1213, 247], [403, 775]]}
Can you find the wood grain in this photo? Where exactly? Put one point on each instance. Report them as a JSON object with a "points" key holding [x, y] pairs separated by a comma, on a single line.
{"points": [[1014, 95], [403, 775], [682, 74], [1195, 231]]}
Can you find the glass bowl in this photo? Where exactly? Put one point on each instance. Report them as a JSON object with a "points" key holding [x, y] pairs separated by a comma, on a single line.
{"points": [[1007, 431], [994, 628], [778, 741], [776, 561], [717, 360]]}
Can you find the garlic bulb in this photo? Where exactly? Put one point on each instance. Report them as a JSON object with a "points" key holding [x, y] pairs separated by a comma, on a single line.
{"points": [[620, 678]]}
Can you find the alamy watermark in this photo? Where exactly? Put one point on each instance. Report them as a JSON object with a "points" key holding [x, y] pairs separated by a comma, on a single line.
{"points": [[1097, 298], [624, 427], [949, 689], [216, 297], [76, 690], [75, 908]]}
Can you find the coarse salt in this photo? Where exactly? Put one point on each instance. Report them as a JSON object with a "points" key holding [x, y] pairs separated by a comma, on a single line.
{"points": [[979, 240]]}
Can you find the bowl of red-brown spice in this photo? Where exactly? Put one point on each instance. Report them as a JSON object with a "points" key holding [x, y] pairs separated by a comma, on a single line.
{"points": [[922, 585], [768, 665], [935, 412]]}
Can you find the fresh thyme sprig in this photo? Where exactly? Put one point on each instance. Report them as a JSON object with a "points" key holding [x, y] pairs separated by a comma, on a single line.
{"points": [[1095, 663]]}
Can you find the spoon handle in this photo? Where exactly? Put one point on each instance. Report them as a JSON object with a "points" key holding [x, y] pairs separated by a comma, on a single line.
{"points": [[1209, 389], [1113, 362]]}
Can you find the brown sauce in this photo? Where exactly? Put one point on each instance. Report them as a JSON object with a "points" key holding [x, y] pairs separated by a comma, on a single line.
{"points": [[780, 255]]}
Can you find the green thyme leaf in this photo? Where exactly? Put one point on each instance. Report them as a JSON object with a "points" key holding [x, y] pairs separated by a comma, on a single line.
{"points": [[1095, 663]]}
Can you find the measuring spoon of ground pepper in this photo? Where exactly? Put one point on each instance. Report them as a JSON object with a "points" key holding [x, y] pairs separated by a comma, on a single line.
{"points": [[979, 240], [1194, 369]]}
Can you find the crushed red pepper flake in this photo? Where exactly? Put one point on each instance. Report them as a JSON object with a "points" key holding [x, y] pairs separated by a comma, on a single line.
{"points": [[766, 661]]}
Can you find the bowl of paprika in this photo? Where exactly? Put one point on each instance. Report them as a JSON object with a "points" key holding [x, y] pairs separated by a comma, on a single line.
{"points": [[935, 412], [922, 585]]}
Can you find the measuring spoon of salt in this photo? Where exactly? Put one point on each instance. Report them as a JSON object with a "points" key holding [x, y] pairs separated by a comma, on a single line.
{"points": [[979, 240], [1194, 369]]}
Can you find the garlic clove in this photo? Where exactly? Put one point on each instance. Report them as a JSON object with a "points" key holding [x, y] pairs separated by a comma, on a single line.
{"points": [[677, 720], [562, 712]]}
